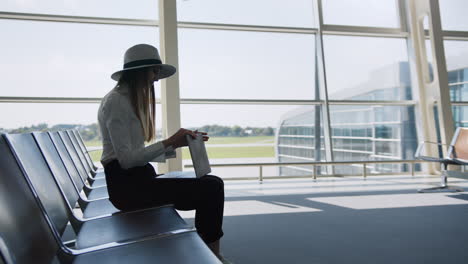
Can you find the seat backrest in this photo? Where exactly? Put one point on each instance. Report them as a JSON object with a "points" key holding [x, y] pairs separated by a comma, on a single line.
{"points": [[74, 155], [42, 181], [78, 150], [79, 139], [57, 167], [23, 227], [459, 146], [5, 255], [3, 261], [67, 160]]}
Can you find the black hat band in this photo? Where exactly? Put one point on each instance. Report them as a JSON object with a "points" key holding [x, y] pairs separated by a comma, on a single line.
{"points": [[141, 62]]}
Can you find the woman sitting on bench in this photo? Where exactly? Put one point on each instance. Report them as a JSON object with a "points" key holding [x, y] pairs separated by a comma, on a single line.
{"points": [[127, 120]]}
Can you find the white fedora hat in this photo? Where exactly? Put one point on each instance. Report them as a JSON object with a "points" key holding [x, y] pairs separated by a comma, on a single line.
{"points": [[141, 56]]}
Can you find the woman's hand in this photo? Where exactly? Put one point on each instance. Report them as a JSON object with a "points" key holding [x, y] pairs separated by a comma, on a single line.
{"points": [[204, 134], [179, 139]]}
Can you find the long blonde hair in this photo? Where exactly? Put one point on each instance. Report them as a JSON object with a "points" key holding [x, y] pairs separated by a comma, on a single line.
{"points": [[142, 99]]}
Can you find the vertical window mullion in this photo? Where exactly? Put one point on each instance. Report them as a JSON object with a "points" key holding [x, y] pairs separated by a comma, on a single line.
{"points": [[322, 81]]}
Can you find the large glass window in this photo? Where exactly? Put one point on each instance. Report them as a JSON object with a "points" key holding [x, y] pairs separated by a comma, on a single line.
{"points": [[218, 64], [45, 59], [367, 68], [142, 9], [65, 59], [293, 13], [371, 13]]}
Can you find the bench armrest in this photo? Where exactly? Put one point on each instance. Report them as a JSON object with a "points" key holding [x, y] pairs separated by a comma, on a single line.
{"points": [[421, 145]]}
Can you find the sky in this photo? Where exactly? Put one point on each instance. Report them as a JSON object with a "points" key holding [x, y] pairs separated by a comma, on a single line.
{"points": [[67, 59]]}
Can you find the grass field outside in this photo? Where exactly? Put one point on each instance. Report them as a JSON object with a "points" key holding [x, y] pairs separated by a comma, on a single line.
{"points": [[93, 143], [241, 140], [236, 151]]}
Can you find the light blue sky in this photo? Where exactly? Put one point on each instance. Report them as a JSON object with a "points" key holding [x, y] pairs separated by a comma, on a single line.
{"points": [[66, 59]]}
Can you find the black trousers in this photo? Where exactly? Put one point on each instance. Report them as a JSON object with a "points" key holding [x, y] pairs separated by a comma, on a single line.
{"points": [[139, 187]]}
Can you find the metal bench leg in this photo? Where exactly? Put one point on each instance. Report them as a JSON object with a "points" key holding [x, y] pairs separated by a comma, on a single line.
{"points": [[443, 186]]}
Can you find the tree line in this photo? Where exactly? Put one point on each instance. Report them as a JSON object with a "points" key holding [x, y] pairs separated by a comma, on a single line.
{"points": [[235, 131], [88, 132], [91, 132]]}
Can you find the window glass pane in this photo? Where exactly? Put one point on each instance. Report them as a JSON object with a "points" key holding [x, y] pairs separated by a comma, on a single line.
{"points": [[371, 13], [363, 132], [246, 134], [246, 65], [52, 114], [456, 53], [198, 115], [140, 9], [64, 59], [300, 139], [453, 14], [460, 115], [366, 68], [293, 13], [29, 114]]}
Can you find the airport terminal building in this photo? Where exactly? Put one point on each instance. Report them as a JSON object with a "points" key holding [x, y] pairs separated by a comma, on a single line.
{"points": [[363, 132]]}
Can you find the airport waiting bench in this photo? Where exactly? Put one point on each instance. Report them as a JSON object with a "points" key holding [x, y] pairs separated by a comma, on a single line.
{"points": [[42, 193]]}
